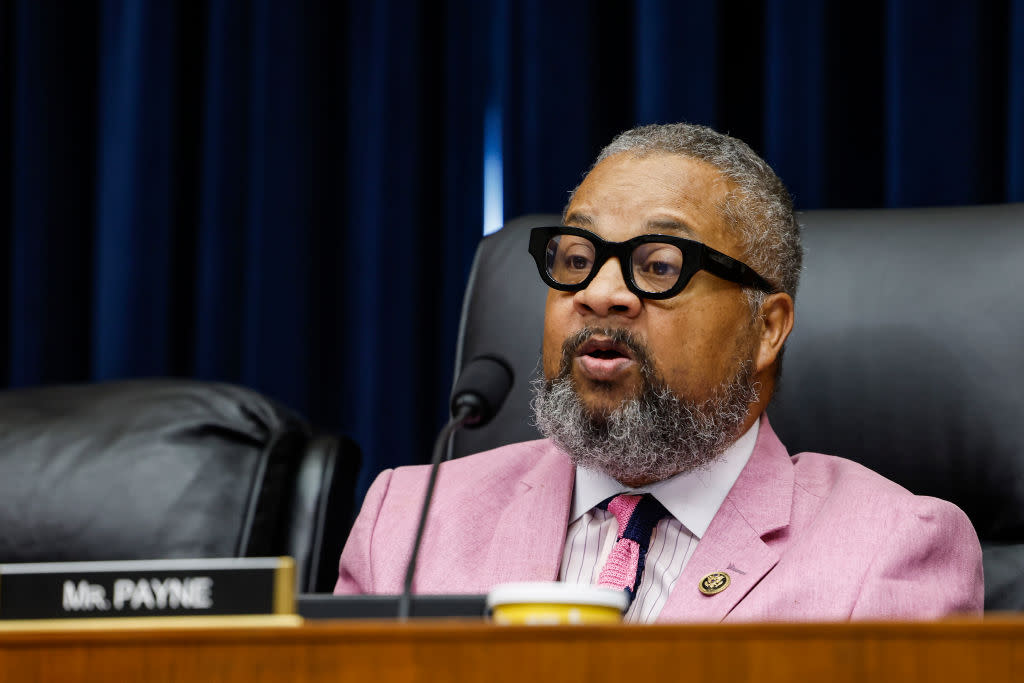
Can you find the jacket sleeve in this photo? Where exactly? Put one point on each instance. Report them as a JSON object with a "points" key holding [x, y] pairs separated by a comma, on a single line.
{"points": [[929, 567], [355, 569]]}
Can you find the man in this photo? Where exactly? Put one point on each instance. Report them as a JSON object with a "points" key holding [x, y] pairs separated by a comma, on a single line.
{"points": [[671, 298]]}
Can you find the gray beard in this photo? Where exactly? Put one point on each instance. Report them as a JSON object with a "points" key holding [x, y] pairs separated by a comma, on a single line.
{"points": [[650, 437]]}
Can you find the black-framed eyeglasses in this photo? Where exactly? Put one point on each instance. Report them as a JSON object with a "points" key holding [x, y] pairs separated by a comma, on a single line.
{"points": [[653, 266]]}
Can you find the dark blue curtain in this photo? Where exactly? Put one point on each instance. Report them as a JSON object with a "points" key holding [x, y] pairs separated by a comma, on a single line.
{"points": [[287, 195]]}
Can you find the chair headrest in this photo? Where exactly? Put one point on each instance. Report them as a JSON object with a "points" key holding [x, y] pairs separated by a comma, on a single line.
{"points": [[143, 469]]}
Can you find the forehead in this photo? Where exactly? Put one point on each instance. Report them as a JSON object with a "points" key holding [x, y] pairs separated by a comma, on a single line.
{"points": [[627, 195]]}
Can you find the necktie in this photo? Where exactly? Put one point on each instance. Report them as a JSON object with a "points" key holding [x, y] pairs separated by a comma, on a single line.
{"points": [[637, 517]]}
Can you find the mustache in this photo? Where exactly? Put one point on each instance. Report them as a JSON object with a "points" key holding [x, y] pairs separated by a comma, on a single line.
{"points": [[639, 350]]}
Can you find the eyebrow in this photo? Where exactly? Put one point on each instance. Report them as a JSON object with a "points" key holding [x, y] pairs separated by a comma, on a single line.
{"points": [[579, 219], [669, 225]]}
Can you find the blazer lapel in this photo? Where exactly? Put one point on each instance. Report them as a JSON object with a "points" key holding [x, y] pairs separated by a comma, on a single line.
{"points": [[758, 504], [530, 535]]}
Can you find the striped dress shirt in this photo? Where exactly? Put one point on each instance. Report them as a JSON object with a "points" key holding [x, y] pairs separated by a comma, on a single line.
{"points": [[692, 498]]}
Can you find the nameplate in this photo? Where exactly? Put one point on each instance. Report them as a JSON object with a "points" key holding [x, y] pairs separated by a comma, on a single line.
{"points": [[147, 588]]}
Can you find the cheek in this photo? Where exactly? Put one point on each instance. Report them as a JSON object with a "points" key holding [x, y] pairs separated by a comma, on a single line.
{"points": [[696, 352], [555, 332], [550, 353]]}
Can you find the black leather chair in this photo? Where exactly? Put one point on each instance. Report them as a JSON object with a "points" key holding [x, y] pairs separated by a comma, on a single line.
{"points": [[906, 356], [153, 469]]}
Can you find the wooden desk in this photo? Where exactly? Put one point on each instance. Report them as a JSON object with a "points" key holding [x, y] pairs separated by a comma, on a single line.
{"points": [[962, 651]]}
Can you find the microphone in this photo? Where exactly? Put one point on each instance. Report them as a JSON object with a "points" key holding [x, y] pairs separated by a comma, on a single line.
{"points": [[478, 394], [481, 389]]}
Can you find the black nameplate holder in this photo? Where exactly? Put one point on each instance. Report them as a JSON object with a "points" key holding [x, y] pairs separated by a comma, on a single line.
{"points": [[147, 588], [316, 606]]}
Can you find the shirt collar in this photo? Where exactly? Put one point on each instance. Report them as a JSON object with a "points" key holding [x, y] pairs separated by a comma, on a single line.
{"points": [[693, 498]]}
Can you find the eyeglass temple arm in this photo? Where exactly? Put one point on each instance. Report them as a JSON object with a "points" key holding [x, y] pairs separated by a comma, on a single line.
{"points": [[728, 268]]}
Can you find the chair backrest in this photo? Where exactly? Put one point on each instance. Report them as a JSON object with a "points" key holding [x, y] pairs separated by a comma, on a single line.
{"points": [[153, 469], [905, 356], [503, 314]]}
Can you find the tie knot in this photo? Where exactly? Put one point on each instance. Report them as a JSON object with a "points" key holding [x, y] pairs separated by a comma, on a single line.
{"points": [[637, 515]]}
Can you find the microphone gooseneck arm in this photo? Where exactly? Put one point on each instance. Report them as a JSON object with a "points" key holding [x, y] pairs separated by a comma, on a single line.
{"points": [[465, 413], [479, 392]]}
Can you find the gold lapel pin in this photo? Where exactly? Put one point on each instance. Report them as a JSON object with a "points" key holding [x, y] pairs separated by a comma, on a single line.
{"points": [[715, 582]]}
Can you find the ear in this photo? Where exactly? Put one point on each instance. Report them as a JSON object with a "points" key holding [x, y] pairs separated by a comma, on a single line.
{"points": [[776, 324]]}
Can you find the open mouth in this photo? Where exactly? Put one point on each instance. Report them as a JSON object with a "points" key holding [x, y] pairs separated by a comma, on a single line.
{"points": [[604, 350], [604, 356]]}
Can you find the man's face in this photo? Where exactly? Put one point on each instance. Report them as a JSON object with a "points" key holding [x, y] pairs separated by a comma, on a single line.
{"points": [[697, 338]]}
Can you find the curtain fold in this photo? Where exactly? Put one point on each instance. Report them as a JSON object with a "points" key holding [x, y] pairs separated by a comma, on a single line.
{"points": [[136, 180], [945, 96], [288, 195], [687, 30], [1013, 124], [50, 191], [795, 95], [223, 192], [279, 203]]}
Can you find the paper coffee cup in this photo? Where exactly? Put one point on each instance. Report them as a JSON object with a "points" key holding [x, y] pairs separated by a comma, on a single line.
{"points": [[555, 603]]}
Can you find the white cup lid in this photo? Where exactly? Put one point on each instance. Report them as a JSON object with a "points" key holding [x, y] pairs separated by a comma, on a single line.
{"points": [[556, 593]]}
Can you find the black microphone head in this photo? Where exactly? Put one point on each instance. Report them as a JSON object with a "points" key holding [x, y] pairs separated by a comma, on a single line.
{"points": [[481, 388]]}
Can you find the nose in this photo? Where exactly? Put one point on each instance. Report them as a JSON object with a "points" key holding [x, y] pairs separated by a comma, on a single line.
{"points": [[607, 294]]}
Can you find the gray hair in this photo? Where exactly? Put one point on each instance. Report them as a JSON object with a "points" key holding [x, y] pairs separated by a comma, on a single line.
{"points": [[759, 207]]}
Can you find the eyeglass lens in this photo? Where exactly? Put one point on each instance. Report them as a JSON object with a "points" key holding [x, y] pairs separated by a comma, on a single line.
{"points": [[656, 266]]}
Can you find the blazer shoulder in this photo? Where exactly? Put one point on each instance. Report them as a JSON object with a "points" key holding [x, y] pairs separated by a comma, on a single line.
{"points": [[521, 453], [844, 485], [889, 553], [823, 475], [512, 461]]}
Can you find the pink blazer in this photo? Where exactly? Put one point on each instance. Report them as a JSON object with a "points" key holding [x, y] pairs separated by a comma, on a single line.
{"points": [[812, 537]]}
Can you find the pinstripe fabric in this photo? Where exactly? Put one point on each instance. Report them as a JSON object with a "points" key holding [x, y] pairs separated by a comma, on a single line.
{"points": [[591, 538], [695, 497]]}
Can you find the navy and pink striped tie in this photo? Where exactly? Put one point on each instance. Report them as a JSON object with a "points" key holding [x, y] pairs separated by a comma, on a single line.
{"points": [[637, 516]]}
